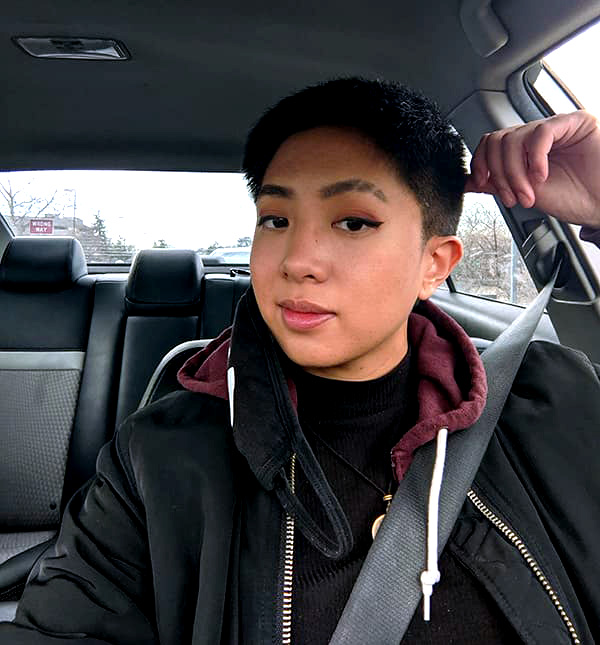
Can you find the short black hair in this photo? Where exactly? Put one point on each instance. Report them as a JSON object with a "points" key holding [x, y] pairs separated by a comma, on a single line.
{"points": [[409, 128]]}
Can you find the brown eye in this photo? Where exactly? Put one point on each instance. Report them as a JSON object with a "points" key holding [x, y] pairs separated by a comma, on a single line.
{"points": [[356, 224], [272, 221]]}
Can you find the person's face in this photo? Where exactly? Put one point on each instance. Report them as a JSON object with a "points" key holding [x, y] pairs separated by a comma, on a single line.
{"points": [[338, 259]]}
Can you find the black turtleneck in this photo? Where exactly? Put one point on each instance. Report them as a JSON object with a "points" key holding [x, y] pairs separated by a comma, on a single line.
{"points": [[359, 422], [352, 426]]}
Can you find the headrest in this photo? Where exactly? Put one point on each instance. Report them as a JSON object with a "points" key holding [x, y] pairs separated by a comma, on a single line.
{"points": [[164, 282], [41, 264]]}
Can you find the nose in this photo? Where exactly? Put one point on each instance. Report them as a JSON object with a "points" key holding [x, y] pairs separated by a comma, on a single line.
{"points": [[305, 257]]}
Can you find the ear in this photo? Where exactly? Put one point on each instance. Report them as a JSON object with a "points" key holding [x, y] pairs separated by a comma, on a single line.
{"points": [[440, 256]]}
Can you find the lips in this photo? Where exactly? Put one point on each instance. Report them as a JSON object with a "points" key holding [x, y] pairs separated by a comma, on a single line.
{"points": [[302, 315]]}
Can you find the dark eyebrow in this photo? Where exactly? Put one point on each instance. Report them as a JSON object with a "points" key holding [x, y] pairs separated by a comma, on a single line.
{"points": [[348, 185], [275, 190]]}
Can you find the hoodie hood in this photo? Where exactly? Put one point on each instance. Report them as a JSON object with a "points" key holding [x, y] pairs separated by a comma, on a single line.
{"points": [[451, 391], [452, 385]]}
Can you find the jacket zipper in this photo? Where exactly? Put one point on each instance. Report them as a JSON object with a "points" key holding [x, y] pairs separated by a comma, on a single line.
{"points": [[516, 541], [288, 566]]}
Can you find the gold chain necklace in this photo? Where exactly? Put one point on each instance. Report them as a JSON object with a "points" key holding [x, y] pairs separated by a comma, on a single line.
{"points": [[387, 497]]}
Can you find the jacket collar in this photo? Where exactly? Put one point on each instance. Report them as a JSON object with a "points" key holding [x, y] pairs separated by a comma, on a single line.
{"points": [[451, 391]]}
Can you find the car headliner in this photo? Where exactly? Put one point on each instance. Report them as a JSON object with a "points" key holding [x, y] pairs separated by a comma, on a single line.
{"points": [[199, 76]]}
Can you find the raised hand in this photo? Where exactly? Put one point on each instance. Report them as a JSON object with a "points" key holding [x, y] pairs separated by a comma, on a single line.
{"points": [[552, 164]]}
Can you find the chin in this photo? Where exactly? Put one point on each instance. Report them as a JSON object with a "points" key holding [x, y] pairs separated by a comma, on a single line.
{"points": [[312, 360]]}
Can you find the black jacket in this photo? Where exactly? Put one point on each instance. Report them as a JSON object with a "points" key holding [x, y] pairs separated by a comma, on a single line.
{"points": [[179, 538]]}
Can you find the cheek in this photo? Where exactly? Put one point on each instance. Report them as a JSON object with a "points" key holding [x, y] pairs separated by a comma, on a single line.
{"points": [[383, 290], [263, 268], [260, 259], [391, 272]]}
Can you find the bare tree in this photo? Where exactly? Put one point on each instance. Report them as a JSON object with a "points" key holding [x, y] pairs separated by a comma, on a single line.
{"points": [[487, 268], [20, 206]]}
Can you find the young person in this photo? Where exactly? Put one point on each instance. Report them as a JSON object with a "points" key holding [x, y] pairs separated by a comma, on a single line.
{"points": [[260, 481]]}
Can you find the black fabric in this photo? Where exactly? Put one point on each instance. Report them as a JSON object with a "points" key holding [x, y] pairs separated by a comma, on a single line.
{"points": [[551, 480], [503, 573], [396, 565], [164, 281], [360, 421], [41, 264], [116, 595], [14, 572], [150, 551], [463, 612]]}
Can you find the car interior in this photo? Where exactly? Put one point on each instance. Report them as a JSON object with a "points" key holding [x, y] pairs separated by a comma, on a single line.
{"points": [[175, 87]]}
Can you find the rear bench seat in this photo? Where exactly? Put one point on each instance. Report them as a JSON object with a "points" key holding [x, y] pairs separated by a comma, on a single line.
{"points": [[76, 353], [59, 333]]}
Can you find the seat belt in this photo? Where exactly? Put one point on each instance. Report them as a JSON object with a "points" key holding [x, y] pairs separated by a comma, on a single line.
{"points": [[388, 588]]}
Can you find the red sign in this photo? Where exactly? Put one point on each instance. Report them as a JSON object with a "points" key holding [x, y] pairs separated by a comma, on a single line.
{"points": [[41, 227]]}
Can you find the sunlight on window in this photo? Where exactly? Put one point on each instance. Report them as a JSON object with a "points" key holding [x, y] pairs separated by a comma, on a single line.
{"points": [[116, 213], [575, 63]]}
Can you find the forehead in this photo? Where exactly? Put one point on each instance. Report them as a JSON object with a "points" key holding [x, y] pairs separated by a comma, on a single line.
{"points": [[327, 147], [329, 161]]}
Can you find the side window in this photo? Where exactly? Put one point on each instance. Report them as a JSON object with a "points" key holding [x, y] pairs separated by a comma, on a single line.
{"points": [[116, 213], [492, 266], [563, 83]]}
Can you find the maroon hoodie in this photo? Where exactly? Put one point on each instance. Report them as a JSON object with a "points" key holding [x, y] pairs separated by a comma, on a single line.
{"points": [[452, 384]]}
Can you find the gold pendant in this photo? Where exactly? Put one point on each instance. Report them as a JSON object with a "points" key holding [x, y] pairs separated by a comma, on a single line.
{"points": [[378, 520], [376, 525]]}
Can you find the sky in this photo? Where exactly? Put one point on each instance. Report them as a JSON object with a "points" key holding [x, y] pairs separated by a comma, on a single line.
{"points": [[187, 210], [194, 210], [575, 63]]}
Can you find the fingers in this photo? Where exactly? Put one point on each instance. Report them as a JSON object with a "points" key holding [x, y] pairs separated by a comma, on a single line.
{"points": [[500, 166], [538, 147], [513, 163], [507, 163], [479, 170]]}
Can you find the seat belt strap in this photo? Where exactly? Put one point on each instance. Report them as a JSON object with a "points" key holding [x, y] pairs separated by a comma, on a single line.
{"points": [[388, 588]]}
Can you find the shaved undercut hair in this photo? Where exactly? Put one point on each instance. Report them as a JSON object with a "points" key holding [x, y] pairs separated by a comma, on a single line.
{"points": [[421, 145]]}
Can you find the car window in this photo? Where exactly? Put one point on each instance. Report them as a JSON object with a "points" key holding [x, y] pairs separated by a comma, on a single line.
{"points": [[565, 83], [492, 266], [566, 80], [116, 213]]}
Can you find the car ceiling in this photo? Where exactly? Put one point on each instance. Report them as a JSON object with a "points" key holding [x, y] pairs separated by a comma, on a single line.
{"points": [[201, 73]]}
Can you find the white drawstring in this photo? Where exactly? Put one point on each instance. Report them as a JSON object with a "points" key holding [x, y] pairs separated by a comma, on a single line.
{"points": [[431, 575], [230, 389]]}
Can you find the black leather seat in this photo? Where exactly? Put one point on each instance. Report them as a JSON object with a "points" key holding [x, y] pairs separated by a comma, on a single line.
{"points": [[46, 302], [114, 334], [221, 296], [59, 332], [163, 304]]}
